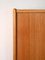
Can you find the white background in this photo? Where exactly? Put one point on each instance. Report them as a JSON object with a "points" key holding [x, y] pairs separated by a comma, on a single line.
{"points": [[6, 23]]}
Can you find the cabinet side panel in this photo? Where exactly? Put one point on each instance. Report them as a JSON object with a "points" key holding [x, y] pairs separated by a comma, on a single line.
{"points": [[14, 34]]}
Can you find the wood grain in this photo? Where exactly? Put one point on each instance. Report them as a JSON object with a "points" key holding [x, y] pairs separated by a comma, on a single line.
{"points": [[37, 36], [23, 42], [30, 35]]}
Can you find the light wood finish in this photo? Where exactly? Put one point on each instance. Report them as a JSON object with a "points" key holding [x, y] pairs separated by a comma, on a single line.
{"points": [[28, 11], [14, 34], [23, 42], [37, 36], [30, 35]]}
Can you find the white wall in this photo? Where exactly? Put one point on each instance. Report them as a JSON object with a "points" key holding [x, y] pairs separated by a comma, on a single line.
{"points": [[6, 23]]}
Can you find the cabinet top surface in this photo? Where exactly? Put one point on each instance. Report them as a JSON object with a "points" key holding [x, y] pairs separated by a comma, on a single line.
{"points": [[29, 10]]}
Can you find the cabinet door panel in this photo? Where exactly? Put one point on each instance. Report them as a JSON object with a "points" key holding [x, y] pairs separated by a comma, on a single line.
{"points": [[30, 36]]}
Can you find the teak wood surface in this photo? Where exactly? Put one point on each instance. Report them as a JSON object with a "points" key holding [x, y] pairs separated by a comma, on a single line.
{"points": [[29, 35]]}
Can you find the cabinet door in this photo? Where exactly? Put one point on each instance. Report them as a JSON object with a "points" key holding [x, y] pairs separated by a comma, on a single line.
{"points": [[30, 36]]}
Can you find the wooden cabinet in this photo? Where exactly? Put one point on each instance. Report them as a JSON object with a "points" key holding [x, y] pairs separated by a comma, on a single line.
{"points": [[29, 35]]}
